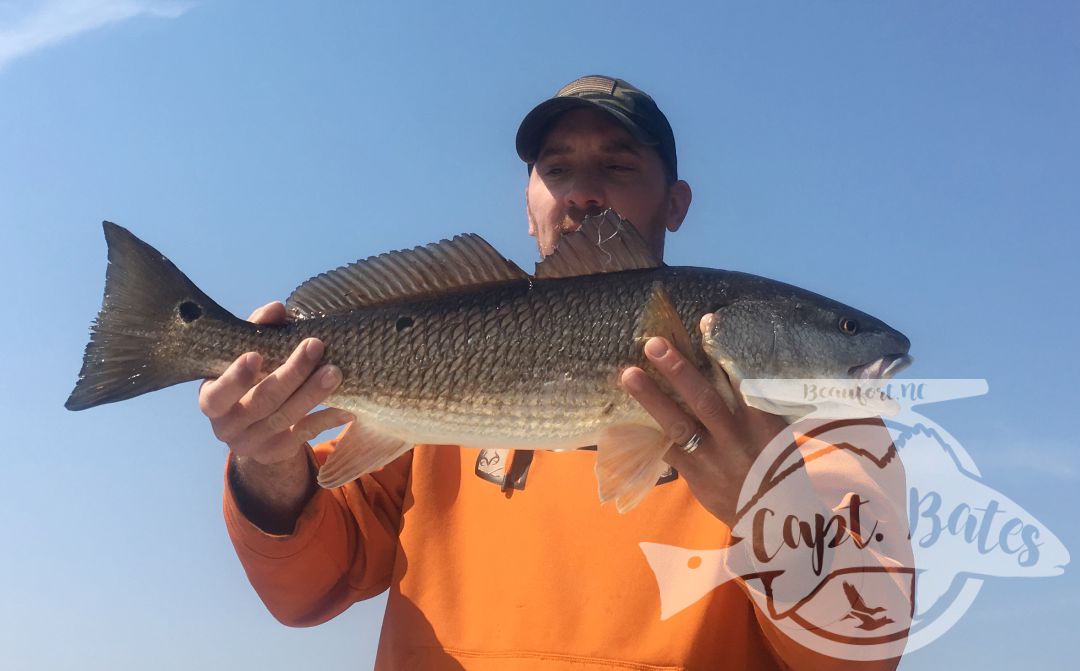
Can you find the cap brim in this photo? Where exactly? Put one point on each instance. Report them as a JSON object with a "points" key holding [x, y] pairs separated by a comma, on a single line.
{"points": [[537, 122]]}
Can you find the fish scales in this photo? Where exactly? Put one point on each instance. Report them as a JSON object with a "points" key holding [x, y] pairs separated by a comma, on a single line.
{"points": [[501, 362]]}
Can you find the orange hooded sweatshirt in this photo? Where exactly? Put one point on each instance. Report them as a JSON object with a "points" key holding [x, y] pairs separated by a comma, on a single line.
{"points": [[532, 576]]}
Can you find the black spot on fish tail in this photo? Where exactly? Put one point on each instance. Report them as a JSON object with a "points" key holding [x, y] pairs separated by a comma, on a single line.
{"points": [[403, 323], [189, 311]]}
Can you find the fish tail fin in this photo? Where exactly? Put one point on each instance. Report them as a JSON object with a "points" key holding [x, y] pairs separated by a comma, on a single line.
{"points": [[141, 335], [629, 461]]}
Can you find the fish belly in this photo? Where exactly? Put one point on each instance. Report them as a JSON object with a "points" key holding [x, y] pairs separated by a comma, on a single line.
{"points": [[551, 419]]}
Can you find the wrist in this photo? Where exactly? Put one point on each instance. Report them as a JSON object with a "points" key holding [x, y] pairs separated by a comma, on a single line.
{"points": [[272, 495]]}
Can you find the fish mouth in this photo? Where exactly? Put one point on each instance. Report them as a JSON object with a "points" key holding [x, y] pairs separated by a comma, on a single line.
{"points": [[883, 368]]}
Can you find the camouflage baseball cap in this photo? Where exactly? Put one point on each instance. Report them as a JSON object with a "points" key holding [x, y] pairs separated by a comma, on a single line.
{"points": [[631, 106]]}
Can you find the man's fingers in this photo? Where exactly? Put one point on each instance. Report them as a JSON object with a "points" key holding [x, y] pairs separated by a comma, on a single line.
{"points": [[285, 444], [263, 415], [311, 393], [317, 422], [217, 397], [270, 394], [695, 389], [271, 313], [268, 420], [678, 428]]}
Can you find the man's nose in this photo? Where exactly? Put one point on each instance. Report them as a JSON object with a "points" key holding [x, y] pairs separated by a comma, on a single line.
{"points": [[586, 192]]}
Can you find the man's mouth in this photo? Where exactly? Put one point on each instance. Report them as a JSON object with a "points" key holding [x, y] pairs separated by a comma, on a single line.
{"points": [[547, 237], [575, 217]]}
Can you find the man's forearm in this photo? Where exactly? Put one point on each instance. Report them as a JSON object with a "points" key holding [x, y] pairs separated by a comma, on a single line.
{"points": [[272, 496]]}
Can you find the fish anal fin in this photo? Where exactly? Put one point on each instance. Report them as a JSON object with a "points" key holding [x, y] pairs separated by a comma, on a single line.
{"points": [[359, 450], [467, 261], [605, 243], [629, 461]]}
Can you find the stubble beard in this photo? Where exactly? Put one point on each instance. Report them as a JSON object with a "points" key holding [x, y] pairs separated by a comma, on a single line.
{"points": [[547, 238]]}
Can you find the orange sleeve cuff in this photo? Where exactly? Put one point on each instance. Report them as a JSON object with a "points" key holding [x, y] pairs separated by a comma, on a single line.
{"points": [[273, 546]]}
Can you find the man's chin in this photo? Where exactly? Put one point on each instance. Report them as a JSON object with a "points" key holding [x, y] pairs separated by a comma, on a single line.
{"points": [[548, 236], [547, 239]]}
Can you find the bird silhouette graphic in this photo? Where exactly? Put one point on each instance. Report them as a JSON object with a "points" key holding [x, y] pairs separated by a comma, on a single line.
{"points": [[863, 613]]}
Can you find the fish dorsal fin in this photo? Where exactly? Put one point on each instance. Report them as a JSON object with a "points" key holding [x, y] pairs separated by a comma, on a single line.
{"points": [[605, 243], [466, 261]]}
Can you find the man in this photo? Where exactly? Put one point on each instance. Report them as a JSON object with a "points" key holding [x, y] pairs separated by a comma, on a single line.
{"points": [[506, 560]]}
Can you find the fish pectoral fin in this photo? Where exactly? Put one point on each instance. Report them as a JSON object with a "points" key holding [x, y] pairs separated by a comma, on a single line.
{"points": [[359, 450], [629, 461], [661, 319]]}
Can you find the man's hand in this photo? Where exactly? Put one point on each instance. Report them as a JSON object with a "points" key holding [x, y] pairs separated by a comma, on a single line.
{"points": [[730, 440], [265, 421]]}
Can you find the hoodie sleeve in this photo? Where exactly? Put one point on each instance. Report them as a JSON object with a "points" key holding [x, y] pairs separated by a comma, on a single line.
{"points": [[342, 549]]}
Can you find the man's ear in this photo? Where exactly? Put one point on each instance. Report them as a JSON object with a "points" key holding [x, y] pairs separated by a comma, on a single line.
{"points": [[679, 197]]}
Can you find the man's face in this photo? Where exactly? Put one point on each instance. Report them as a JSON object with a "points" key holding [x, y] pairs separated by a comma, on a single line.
{"points": [[587, 163]]}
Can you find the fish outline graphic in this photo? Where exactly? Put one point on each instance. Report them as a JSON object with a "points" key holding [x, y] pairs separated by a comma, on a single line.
{"points": [[959, 529]]}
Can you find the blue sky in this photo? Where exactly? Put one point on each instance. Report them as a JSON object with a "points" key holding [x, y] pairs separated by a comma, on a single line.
{"points": [[916, 160]]}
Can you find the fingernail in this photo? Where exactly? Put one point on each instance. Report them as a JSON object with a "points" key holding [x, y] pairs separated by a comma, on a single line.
{"points": [[253, 362], [330, 377], [344, 417], [314, 350], [656, 348]]}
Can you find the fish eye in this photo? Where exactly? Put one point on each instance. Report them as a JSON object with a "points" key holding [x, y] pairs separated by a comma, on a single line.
{"points": [[848, 326]]}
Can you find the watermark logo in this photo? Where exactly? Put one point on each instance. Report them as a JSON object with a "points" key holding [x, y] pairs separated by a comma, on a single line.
{"points": [[867, 530]]}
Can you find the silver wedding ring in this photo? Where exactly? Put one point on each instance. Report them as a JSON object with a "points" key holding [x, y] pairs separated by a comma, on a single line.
{"points": [[689, 446]]}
